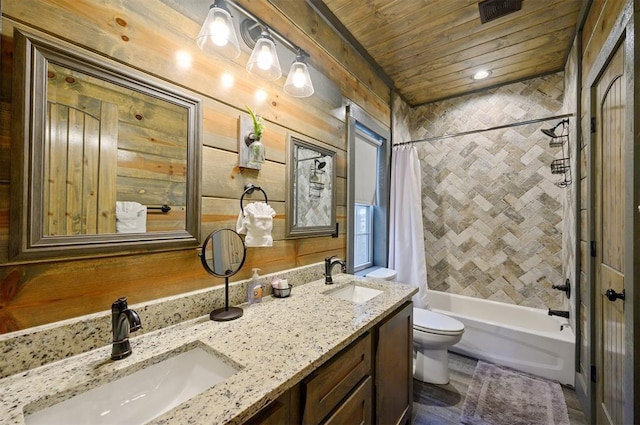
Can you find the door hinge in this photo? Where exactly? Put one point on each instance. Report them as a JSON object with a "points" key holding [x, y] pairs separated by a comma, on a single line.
{"points": [[594, 374], [593, 248], [593, 124]]}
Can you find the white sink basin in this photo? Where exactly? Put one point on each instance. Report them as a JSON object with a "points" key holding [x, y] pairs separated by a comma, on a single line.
{"points": [[355, 293], [141, 396]]}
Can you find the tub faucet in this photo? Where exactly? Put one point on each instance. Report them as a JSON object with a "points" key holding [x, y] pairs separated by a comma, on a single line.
{"points": [[123, 321], [560, 313], [329, 262]]}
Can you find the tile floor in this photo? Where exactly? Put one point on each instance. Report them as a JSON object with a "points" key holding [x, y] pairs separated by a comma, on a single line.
{"points": [[442, 404]]}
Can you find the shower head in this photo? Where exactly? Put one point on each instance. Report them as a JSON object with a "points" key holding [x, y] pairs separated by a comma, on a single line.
{"points": [[320, 164], [551, 132]]}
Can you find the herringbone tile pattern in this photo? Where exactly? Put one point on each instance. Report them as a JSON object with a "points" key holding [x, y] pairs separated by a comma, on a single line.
{"points": [[492, 213]]}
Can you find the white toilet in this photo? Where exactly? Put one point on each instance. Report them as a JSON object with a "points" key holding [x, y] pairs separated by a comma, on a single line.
{"points": [[433, 334]]}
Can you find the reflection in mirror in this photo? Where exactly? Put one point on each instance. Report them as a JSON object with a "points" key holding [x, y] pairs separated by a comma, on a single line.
{"points": [[311, 195], [223, 254], [106, 158], [112, 157]]}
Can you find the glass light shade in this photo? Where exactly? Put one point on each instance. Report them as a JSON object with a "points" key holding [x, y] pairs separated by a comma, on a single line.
{"points": [[298, 82], [263, 61], [217, 35]]}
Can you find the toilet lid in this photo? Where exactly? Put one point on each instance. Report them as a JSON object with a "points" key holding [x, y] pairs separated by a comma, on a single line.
{"points": [[430, 321], [383, 273]]}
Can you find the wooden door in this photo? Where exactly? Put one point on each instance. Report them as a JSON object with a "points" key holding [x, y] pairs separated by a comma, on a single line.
{"points": [[609, 197]]}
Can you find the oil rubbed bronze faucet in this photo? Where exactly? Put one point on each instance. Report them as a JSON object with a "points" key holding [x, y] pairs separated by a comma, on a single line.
{"points": [[329, 262], [123, 320], [559, 313]]}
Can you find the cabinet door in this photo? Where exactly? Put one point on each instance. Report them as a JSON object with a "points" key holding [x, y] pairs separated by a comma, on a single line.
{"points": [[394, 368]]}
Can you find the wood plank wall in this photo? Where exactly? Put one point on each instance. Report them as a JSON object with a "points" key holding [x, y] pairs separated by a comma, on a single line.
{"points": [[598, 25], [147, 36]]}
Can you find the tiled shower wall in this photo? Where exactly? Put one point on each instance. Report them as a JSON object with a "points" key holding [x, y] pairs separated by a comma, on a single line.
{"points": [[493, 216]]}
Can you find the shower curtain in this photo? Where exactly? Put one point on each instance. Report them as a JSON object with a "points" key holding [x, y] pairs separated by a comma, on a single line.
{"points": [[406, 234]]}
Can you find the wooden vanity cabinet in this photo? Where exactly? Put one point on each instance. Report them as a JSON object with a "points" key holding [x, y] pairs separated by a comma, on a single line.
{"points": [[370, 381]]}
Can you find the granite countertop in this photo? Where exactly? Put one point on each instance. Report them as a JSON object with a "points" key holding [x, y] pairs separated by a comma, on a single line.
{"points": [[276, 343]]}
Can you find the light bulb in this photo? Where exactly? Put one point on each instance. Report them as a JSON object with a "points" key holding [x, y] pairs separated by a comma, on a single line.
{"points": [[265, 58], [217, 35], [219, 31], [298, 82], [299, 78]]}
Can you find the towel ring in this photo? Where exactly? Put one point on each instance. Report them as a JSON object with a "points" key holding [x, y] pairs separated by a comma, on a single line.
{"points": [[249, 188]]}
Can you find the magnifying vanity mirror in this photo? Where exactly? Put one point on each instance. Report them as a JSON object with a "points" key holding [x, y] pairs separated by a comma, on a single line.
{"points": [[311, 192], [106, 158], [223, 254]]}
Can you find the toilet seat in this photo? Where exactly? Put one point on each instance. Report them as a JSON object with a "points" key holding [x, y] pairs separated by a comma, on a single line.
{"points": [[436, 323]]}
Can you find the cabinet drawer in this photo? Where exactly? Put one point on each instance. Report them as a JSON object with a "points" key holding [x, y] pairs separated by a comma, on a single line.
{"points": [[276, 413], [329, 385], [356, 409]]}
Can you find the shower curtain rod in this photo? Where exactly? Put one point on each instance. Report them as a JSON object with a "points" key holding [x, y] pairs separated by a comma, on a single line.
{"points": [[465, 133]]}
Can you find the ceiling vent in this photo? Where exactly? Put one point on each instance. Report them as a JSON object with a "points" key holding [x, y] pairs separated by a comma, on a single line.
{"points": [[494, 9]]}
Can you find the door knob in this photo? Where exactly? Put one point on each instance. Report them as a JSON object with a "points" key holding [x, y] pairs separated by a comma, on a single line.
{"points": [[613, 295]]}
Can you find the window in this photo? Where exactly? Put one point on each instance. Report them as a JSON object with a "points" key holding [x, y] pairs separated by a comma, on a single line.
{"points": [[367, 193], [363, 237]]}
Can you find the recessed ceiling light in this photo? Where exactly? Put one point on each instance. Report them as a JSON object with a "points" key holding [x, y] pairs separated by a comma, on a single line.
{"points": [[481, 75]]}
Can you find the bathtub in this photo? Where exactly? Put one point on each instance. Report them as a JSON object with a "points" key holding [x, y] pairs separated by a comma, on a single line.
{"points": [[523, 338]]}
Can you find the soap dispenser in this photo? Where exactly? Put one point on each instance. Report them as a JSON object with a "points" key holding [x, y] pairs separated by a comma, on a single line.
{"points": [[254, 291]]}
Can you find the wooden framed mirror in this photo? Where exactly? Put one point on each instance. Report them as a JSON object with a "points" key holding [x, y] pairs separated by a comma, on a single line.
{"points": [[105, 159], [311, 189]]}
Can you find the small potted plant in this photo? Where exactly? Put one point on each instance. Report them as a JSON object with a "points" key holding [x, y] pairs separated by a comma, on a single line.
{"points": [[256, 148], [257, 125]]}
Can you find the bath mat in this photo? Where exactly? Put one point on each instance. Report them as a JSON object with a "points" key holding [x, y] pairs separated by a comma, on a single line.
{"points": [[500, 395]]}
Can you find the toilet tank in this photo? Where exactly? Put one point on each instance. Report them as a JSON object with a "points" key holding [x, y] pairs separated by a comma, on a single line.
{"points": [[382, 273]]}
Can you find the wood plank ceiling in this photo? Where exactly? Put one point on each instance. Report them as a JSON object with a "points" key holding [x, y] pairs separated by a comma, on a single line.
{"points": [[431, 48]]}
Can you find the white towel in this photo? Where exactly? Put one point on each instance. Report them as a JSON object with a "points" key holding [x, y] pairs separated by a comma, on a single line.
{"points": [[131, 217], [258, 223], [240, 227]]}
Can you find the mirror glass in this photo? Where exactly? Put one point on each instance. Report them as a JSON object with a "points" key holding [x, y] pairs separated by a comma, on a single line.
{"points": [[223, 253], [109, 156], [311, 198]]}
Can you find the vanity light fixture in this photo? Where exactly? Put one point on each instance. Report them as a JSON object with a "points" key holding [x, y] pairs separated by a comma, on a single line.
{"points": [[298, 82], [481, 75], [263, 61], [217, 35]]}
